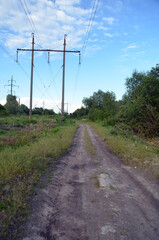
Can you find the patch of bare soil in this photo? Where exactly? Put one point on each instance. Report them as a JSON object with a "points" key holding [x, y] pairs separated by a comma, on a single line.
{"points": [[94, 197]]}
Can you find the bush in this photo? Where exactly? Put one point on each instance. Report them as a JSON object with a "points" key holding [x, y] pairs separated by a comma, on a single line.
{"points": [[28, 121], [110, 121]]}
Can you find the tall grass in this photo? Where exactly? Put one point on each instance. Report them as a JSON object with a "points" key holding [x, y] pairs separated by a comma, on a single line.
{"points": [[20, 169], [133, 150]]}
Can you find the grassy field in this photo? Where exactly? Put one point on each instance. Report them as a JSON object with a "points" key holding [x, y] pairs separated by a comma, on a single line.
{"points": [[133, 150], [27, 148]]}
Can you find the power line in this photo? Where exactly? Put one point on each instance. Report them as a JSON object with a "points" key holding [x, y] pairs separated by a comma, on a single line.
{"points": [[93, 13], [89, 28], [32, 66], [27, 12], [9, 55], [46, 89]]}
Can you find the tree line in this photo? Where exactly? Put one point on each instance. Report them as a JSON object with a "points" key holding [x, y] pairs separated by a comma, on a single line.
{"points": [[138, 109], [12, 107]]}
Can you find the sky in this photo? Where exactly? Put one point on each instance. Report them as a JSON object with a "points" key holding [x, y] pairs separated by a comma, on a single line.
{"points": [[115, 38]]}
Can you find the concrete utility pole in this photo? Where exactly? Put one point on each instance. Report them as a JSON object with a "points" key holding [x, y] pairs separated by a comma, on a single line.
{"points": [[32, 65], [11, 85]]}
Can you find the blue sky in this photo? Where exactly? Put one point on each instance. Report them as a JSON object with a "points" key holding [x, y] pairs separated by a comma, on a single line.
{"points": [[124, 36]]}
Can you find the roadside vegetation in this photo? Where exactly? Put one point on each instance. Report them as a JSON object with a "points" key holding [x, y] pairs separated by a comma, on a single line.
{"points": [[89, 146], [130, 126], [27, 148], [133, 150]]}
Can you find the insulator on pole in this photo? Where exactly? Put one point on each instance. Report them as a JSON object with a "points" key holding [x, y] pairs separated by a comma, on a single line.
{"points": [[17, 57], [48, 57], [79, 58]]}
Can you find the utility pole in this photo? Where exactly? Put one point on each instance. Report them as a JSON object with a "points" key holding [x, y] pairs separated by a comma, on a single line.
{"points": [[11, 85], [32, 66], [31, 80], [63, 78]]}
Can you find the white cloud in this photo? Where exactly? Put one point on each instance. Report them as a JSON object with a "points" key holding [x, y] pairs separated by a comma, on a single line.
{"points": [[103, 28], [114, 6], [109, 35], [109, 20], [131, 46], [52, 21]]}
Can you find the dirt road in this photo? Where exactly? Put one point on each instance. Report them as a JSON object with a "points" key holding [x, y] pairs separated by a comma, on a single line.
{"points": [[94, 197]]}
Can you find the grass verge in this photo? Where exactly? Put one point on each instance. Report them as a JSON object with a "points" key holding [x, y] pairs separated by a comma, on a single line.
{"points": [[89, 146], [20, 169], [134, 151]]}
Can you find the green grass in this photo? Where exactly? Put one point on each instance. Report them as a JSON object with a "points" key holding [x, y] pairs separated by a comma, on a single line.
{"points": [[89, 146], [134, 151], [21, 168], [18, 131]]}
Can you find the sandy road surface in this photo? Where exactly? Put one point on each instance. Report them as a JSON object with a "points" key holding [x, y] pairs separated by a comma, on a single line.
{"points": [[91, 197]]}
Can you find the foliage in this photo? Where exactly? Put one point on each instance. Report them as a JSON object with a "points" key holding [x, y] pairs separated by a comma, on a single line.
{"points": [[12, 105], [2, 107], [2, 110], [80, 112], [38, 111], [109, 104], [96, 114], [49, 112], [100, 105], [22, 109], [140, 106]]}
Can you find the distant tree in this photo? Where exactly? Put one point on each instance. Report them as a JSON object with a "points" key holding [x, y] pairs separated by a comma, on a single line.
{"points": [[38, 111], [22, 109], [140, 105], [95, 101], [96, 114], [12, 105], [2, 110], [100, 105], [80, 112], [49, 112], [109, 104]]}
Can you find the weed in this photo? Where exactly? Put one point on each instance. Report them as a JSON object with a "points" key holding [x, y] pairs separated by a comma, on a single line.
{"points": [[96, 181], [40, 185], [124, 233], [112, 188], [89, 146]]}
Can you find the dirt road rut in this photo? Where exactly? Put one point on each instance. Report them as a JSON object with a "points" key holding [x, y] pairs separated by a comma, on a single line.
{"points": [[94, 197]]}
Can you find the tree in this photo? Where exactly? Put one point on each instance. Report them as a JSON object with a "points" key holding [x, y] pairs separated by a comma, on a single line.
{"points": [[2, 110], [12, 105], [22, 109], [140, 107], [38, 111], [100, 105], [49, 112], [109, 104], [95, 101], [80, 112]]}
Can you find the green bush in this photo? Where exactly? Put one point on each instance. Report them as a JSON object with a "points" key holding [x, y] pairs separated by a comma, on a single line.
{"points": [[110, 121]]}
